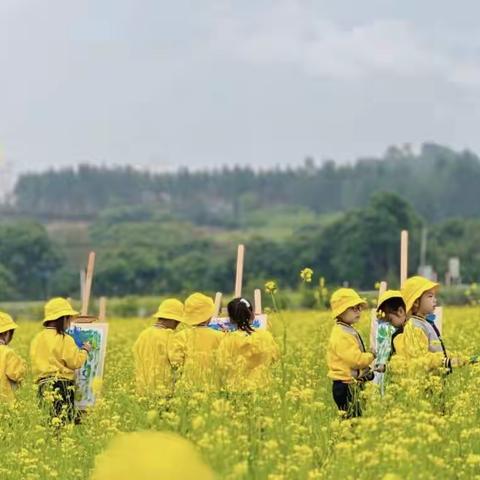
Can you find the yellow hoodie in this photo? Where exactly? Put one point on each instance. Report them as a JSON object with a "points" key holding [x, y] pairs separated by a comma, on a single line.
{"points": [[194, 352], [153, 371], [418, 348], [55, 355], [12, 370], [245, 360], [346, 355]]}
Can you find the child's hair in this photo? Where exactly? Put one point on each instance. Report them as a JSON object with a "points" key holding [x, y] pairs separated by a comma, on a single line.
{"points": [[7, 336], [391, 305], [58, 324], [240, 312]]}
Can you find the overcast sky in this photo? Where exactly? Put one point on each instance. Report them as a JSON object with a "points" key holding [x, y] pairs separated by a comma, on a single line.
{"points": [[204, 82]]}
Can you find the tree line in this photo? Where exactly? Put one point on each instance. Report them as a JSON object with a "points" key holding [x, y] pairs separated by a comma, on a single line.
{"points": [[168, 255], [438, 182]]}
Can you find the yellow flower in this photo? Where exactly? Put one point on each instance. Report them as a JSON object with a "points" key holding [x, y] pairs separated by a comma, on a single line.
{"points": [[306, 275], [152, 415], [271, 287], [97, 384]]}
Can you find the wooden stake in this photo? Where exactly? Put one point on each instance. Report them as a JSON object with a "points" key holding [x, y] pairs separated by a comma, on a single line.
{"points": [[239, 276], [257, 295], [403, 257], [382, 289], [102, 309], [218, 304], [88, 283]]}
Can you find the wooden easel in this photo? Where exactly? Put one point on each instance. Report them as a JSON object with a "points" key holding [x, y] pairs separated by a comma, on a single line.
{"points": [[84, 317], [257, 307]]}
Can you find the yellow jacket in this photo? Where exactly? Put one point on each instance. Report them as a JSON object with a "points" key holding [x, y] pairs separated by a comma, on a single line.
{"points": [[245, 360], [346, 355], [418, 348], [153, 371], [55, 355], [194, 352], [12, 371]]}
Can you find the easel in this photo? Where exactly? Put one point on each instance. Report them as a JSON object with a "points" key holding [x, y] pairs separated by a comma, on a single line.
{"points": [[83, 329], [223, 322], [86, 292]]}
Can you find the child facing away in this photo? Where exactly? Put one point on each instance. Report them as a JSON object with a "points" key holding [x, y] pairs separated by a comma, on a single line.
{"points": [[55, 357], [246, 355], [347, 360], [12, 367], [153, 371], [194, 348]]}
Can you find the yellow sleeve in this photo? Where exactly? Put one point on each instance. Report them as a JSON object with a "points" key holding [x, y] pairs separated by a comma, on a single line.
{"points": [[347, 348], [73, 356], [15, 367], [177, 349], [415, 347]]}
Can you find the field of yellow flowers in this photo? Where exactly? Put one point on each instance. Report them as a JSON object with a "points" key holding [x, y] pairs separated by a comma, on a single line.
{"points": [[291, 431]]}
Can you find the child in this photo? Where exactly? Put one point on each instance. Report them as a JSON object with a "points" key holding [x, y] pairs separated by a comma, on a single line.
{"points": [[347, 360], [12, 367], [246, 355], [391, 308], [55, 357], [153, 371], [194, 349], [420, 342]]}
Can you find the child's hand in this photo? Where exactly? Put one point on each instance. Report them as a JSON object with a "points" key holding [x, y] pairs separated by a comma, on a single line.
{"points": [[380, 368], [87, 346]]}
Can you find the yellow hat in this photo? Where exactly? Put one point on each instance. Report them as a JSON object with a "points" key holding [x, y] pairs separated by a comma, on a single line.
{"points": [[414, 287], [198, 309], [171, 309], [6, 322], [136, 455], [387, 295], [56, 308], [344, 298]]}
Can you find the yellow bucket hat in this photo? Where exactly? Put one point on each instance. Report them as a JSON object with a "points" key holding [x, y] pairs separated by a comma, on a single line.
{"points": [[58, 307], [198, 309], [414, 287], [387, 295], [170, 309], [344, 298], [6, 322]]}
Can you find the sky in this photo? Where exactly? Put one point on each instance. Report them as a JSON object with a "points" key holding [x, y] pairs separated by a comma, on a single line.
{"points": [[160, 85]]}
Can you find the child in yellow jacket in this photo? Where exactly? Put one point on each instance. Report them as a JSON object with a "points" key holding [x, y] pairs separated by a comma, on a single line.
{"points": [[194, 348], [55, 357], [348, 361], [421, 345], [153, 371], [12, 367], [246, 355]]}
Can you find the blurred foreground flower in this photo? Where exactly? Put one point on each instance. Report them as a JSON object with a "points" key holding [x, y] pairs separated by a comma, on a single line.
{"points": [[150, 455], [306, 275]]}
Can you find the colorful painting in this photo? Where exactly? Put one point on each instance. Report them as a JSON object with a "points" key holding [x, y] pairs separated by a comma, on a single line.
{"points": [[224, 325], [96, 334]]}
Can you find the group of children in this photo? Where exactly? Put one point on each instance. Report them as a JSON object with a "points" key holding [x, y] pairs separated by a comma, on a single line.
{"points": [[194, 356], [236, 361], [416, 344], [198, 355]]}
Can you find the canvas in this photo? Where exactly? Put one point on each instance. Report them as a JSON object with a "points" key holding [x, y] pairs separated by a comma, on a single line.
{"points": [[96, 334]]}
